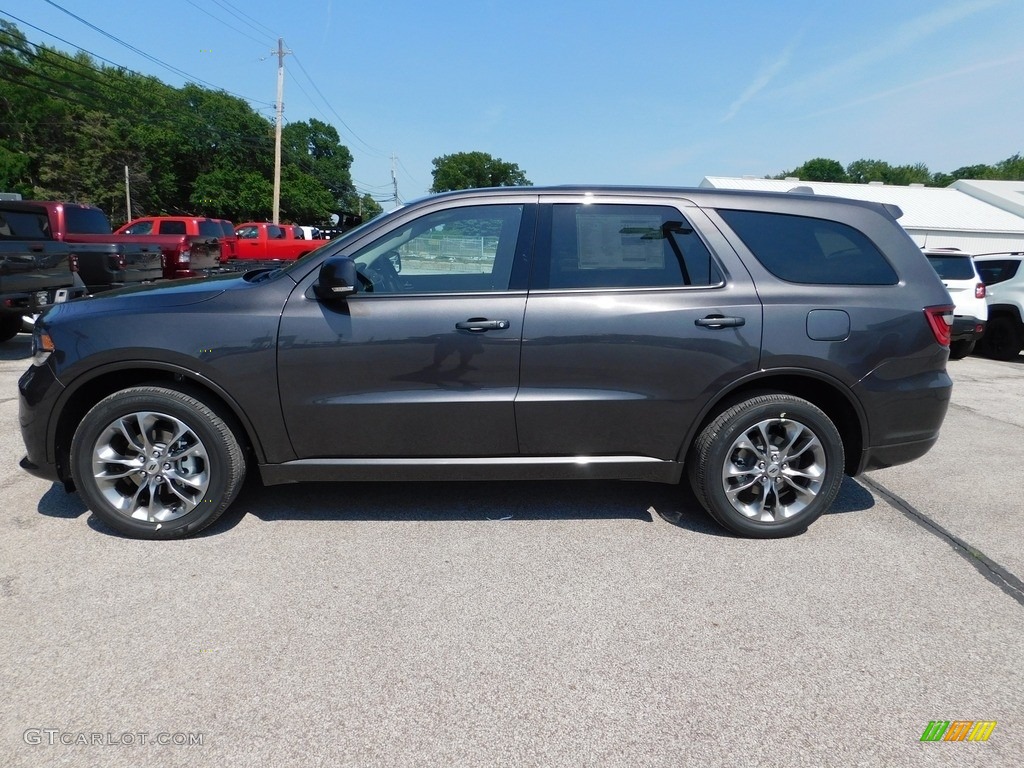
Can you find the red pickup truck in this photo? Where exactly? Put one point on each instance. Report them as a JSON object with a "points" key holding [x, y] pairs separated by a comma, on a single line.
{"points": [[262, 241], [193, 226], [181, 255]]}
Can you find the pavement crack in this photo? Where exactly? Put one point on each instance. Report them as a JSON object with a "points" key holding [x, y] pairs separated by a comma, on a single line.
{"points": [[985, 565]]}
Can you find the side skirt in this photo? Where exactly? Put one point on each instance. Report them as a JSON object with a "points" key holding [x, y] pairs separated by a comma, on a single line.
{"points": [[642, 468]]}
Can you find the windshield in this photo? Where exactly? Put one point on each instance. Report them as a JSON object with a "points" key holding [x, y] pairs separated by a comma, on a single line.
{"points": [[952, 267]]}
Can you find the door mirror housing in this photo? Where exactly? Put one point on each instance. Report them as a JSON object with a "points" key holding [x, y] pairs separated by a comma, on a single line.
{"points": [[338, 278]]}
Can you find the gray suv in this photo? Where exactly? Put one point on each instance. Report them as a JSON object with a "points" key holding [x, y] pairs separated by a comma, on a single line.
{"points": [[765, 344]]}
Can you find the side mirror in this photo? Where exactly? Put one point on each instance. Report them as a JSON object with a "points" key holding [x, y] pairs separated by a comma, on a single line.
{"points": [[338, 278]]}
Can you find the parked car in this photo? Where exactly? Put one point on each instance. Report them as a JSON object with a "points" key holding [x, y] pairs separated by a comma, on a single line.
{"points": [[957, 272], [762, 343], [35, 271], [181, 255], [265, 241], [1004, 282]]}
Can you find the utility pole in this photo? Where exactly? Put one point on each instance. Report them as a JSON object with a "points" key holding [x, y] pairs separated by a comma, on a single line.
{"points": [[394, 177], [281, 52], [127, 196]]}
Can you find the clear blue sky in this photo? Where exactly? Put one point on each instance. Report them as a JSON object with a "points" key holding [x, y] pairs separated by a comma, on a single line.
{"points": [[595, 91]]}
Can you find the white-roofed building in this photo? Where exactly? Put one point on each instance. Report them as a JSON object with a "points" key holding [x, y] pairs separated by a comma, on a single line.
{"points": [[1008, 195], [935, 217]]}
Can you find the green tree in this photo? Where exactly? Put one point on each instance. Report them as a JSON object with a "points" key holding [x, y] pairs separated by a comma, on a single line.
{"points": [[471, 170], [821, 169]]}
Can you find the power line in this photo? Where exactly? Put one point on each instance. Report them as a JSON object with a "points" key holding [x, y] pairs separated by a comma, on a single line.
{"points": [[229, 26], [239, 13], [154, 59]]}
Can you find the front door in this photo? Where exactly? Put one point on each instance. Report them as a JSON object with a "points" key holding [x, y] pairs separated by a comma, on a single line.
{"points": [[423, 361]]}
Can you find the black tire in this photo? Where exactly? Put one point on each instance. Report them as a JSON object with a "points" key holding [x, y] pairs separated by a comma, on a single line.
{"points": [[10, 325], [786, 492], [958, 350], [173, 482], [1002, 339]]}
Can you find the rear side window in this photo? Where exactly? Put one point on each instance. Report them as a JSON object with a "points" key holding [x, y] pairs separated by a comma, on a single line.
{"points": [[172, 227], [801, 249], [625, 246], [952, 267], [993, 272]]}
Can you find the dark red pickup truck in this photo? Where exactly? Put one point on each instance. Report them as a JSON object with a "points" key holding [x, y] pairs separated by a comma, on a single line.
{"points": [[195, 226], [182, 255]]}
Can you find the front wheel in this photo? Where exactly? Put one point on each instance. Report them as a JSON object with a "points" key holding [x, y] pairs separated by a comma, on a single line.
{"points": [[155, 463], [768, 467]]}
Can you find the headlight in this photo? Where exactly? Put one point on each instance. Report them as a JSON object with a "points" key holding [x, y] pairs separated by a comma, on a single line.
{"points": [[42, 346]]}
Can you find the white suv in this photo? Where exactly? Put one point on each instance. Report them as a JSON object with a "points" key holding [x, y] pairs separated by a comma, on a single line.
{"points": [[968, 292], [1004, 278]]}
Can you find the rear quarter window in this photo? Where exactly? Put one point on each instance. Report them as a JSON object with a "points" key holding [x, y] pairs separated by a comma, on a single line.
{"points": [[993, 272], [802, 249]]}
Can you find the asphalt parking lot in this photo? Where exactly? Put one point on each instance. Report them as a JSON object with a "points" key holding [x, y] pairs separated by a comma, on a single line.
{"points": [[558, 624]]}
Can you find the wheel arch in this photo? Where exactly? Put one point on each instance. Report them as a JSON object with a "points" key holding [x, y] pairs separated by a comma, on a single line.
{"points": [[827, 393], [88, 390]]}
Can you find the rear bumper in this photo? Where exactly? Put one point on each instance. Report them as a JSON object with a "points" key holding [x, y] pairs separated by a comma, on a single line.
{"points": [[967, 328]]}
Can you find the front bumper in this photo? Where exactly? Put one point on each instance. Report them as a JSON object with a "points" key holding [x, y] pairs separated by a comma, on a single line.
{"points": [[38, 390]]}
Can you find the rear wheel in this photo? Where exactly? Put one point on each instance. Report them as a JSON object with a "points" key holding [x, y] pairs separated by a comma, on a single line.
{"points": [[768, 467], [958, 350], [1002, 339], [156, 463], [9, 326]]}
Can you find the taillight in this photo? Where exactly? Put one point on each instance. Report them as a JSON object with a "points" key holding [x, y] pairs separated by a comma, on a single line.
{"points": [[941, 321], [73, 262], [184, 256], [117, 262], [979, 291]]}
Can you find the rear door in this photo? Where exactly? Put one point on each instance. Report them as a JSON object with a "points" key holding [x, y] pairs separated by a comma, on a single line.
{"points": [[638, 314]]}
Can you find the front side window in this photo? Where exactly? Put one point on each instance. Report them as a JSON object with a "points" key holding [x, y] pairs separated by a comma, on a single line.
{"points": [[247, 233], [801, 249], [625, 246], [140, 228], [455, 250]]}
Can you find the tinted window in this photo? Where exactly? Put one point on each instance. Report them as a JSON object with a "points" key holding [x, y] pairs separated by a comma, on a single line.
{"points": [[85, 221], [172, 227], [952, 267], [140, 228], [993, 272], [209, 228], [459, 249], [625, 246], [274, 232], [227, 228], [25, 225], [805, 250]]}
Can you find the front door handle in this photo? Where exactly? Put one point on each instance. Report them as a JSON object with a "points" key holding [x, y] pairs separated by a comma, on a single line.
{"points": [[720, 321], [479, 324]]}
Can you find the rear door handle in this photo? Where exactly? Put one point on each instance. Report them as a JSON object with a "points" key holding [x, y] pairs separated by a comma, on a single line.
{"points": [[720, 321], [479, 324]]}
